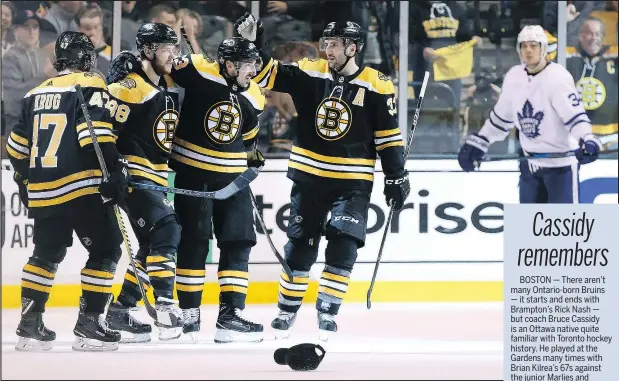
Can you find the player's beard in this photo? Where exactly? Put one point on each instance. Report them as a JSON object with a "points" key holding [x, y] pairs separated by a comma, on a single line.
{"points": [[162, 68], [337, 63]]}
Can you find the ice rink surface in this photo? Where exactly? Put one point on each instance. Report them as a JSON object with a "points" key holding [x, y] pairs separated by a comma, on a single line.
{"points": [[391, 341]]}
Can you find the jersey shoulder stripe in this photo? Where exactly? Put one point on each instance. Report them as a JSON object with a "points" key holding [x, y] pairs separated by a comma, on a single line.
{"points": [[207, 68], [133, 89], [68, 82], [375, 81], [315, 67], [254, 96]]}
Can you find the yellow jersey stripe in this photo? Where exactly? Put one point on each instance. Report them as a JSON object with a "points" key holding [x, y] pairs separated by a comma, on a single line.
{"points": [[251, 134], [95, 123], [205, 151], [333, 159], [205, 166], [390, 144], [385, 133], [63, 199], [15, 154], [65, 180], [18, 139], [146, 163], [331, 174]]}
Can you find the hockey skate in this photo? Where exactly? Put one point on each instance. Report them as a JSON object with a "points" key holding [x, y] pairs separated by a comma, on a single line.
{"points": [[32, 334], [232, 328], [92, 332], [326, 325], [132, 331], [282, 324], [191, 323], [169, 319]]}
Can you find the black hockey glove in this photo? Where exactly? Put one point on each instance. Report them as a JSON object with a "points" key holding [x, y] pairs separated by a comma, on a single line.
{"points": [[255, 159], [397, 189], [472, 152], [117, 186], [249, 28], [22, 186], [124, 63]]}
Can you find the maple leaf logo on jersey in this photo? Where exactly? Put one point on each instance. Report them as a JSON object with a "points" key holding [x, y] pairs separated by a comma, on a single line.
{"points": [[530, 120]]}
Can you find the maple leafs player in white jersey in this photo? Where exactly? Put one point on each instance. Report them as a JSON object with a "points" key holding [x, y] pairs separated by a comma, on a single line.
{"points": [[540, 99]]}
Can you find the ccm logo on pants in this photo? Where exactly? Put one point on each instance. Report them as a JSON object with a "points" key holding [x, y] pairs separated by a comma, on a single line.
{"points": [[345, 218]]}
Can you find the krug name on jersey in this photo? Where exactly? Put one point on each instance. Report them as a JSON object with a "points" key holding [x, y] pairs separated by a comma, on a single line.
{"points": [[222, 122], [333, 119]]}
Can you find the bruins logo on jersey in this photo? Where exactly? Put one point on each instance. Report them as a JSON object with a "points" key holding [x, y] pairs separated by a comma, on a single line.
{"points": [[222, 122], [592, 92], [333, 119], [164, 129], [128, 83]]}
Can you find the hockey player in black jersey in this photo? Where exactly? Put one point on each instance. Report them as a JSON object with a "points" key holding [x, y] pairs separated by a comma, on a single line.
{"points": [[144, 106], [347, 115], [214, 143], [59, 178]]}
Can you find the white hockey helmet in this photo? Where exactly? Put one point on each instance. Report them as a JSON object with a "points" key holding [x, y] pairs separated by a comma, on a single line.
{"points": [[533, 33]]}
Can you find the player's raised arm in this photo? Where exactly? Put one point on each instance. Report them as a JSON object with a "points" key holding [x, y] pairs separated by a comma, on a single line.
{"points": [[566, 103], [274, 75]]}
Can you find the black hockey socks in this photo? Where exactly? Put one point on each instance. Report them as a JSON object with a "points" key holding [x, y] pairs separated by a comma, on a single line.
{"points": [[292, 291], [97, 279], [189, 287], [37, 280], [331, 290], [161, 269]]}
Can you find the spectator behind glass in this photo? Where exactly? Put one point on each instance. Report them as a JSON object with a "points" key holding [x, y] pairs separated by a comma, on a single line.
{"points": [[577, 13], [61, 15], [594, 68], [89, 20], [7, 20], [130, 24], [434, 25], [286, 21], [192, 21], [24, 66]]}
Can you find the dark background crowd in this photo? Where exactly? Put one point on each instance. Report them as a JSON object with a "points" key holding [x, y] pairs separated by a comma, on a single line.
{"points": [[476, 40]]}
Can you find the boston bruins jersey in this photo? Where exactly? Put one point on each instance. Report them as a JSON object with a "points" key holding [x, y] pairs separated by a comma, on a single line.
{"points": [[596, 82], [145, 117], [219, 122], [344, 121], [51, 144]]}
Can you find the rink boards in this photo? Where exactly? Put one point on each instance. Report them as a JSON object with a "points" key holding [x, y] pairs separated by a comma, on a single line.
{"points": [[447, 240]]}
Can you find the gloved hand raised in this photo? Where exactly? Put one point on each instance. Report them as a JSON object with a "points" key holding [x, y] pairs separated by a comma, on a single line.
{"points": [[248, 27]]}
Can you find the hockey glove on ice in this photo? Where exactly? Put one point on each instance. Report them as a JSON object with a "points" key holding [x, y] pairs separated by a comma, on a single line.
{"points": [[22, 186], [255, 159], [124, 63], [397, 189], [249, 28], [472, 152], [590, 149], [117, 186]]}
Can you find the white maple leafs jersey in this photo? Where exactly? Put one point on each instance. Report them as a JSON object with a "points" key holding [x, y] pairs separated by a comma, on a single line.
{"points": [[545, 107]]}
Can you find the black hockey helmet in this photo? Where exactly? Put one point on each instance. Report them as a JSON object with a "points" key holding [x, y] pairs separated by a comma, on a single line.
{"points": [[153, 33], [348, 31], [237, 49], [74, 50]]}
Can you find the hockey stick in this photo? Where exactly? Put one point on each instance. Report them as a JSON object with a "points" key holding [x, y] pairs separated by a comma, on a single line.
{"points": [[239, 183], [279, 257], [409, 143], [551, 155], [106, 175]]}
